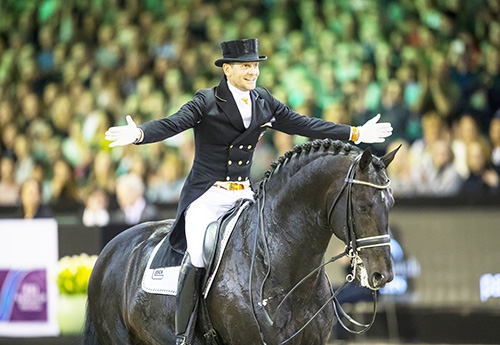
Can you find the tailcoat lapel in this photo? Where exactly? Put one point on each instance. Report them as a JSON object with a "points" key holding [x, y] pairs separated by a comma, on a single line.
{"points": [[257, 115], [228, 106]]}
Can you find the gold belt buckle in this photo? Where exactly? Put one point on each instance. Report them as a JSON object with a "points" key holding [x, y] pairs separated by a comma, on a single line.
{"points": [[236, 186]]}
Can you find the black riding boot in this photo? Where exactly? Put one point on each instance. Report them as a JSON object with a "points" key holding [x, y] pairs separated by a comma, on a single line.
{"points": [[188, 291]]}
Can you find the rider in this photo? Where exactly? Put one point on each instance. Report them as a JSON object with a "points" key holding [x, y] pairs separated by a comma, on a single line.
{"points": [[228, 120]]}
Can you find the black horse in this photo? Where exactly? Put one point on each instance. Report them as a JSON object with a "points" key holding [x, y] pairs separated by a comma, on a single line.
{"points": [[316, 190]]}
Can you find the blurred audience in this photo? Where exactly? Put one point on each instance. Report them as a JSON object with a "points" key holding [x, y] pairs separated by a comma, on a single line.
{"points": [[31, 201], [400, 170], [24, 160], [95, 212], [69, 71], [165, 183], [433, 129], [466, 132], [438, 177], [9, 189], [62, 187], [133, 207], [494, 135], [482, 179]]}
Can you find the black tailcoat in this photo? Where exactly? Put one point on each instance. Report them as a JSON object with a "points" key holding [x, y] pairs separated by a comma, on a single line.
{"points": [[223, 146]]}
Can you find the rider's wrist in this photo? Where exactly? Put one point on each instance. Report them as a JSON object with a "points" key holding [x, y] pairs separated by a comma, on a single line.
{"points": [[140, 136], [354, 134]]}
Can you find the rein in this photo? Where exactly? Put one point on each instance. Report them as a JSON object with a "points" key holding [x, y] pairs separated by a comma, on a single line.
{"points": [[353, 247]]}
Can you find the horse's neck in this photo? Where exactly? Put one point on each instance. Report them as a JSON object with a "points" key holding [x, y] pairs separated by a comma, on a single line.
{"points": [[294, 216]]}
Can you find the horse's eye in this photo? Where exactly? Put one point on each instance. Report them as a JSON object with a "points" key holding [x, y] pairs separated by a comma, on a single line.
{"points": [[363, 208]]}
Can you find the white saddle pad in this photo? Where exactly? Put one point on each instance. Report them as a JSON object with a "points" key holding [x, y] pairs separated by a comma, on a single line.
{"points": [[160, 280]]}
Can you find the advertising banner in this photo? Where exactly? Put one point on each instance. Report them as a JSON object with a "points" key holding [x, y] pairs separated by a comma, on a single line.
{"points": [[28, 265]]}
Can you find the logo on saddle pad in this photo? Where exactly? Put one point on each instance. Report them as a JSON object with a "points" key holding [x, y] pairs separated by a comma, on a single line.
{"points": [[158, 274]]}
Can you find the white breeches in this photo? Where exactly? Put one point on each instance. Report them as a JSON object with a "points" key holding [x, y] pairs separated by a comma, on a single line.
{"points": [[203, 211]]}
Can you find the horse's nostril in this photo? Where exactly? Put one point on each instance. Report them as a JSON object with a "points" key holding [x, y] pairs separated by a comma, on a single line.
{"points": [[378, 279]]}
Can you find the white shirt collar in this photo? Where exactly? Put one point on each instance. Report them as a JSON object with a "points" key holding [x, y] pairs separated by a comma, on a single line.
{"points": [[237, 93], [245, 107]]}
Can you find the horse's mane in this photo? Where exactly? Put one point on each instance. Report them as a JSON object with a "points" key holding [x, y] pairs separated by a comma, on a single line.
{"points": [[318, 147]]}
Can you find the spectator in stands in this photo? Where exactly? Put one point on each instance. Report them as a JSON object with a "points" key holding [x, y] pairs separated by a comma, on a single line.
{"points": [[491, 76], [61, 115], [433, 129], [494, 134], [6, 113], [9, 189], [165, 184], [31, 110], [439, 92], [102, 173], [9, 134], [466, 132], [438, 176], [62, 187], [483, 179], [95, 212], [45, 56], [31, 201], [394, 110], [407, 75], [134, 208], [400, 170], [24, 161]]}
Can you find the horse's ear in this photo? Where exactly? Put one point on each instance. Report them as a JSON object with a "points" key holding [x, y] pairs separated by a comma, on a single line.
{"points": [[388, 157], [366, 159]]}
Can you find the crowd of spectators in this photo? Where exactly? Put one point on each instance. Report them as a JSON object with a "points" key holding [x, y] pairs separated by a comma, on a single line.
{"points": [[71, 69]]}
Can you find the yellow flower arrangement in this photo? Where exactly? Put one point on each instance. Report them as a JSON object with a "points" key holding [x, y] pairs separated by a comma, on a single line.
{"points": [[73, 273]]}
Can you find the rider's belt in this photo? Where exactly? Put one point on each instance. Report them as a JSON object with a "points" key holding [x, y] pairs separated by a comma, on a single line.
{"points": [[228, 185]]}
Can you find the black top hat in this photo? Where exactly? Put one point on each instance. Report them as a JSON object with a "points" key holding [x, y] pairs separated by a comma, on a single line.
{"points": [[246, 50]]}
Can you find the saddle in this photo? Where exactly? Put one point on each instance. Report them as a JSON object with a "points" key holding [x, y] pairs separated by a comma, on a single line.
{"points": [[162, 270]]}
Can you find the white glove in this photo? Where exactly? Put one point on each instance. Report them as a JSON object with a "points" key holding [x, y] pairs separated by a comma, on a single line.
{"points": [[373, 132], [123, 135]]}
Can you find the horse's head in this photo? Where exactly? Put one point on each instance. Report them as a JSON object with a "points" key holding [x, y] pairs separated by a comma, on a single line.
{"points": [[359, 216]]}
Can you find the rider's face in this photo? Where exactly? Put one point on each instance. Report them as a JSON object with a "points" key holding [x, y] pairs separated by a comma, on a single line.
{"points": [[242, 75]]}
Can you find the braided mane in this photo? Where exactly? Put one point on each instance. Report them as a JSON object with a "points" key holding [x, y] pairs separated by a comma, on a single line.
{"points": [[335, 147]]}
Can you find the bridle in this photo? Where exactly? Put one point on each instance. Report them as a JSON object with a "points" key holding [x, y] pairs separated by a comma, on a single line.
{"points": [[353, 247]]}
